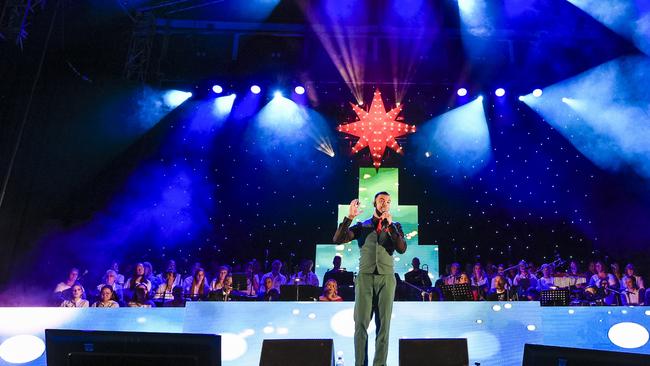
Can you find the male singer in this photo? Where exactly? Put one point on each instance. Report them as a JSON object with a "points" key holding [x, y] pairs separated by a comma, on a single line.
{"points": [[378, 238]]}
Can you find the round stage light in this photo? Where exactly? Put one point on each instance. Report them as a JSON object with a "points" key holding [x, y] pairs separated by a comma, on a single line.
{"points": [[277, 94], [217, 89], [537, 93], [255, 89], [565, 100], [480, 98], [628, 335], [22, 348], [500, 92], [462, 92], [300, 90], [521, 98]]}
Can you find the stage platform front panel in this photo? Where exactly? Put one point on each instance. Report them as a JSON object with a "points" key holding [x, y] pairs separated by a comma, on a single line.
{"points": [[496, 332]]}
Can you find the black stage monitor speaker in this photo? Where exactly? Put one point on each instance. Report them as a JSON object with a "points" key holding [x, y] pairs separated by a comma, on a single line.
{"points": [[438, 352], [297, 352], [538, 355], [104, 348]]}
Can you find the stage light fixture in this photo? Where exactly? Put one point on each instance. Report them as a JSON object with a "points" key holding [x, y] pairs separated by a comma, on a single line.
{"points": [[480, 98], [521, 98], [300, 90], [537, 93], [500, 92], [255, 89], [462, 92], [565, 100], [217, 89], [277, 94]]}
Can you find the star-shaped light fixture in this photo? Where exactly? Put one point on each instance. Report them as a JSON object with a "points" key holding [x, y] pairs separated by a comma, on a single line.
{"points": [[377, 129]]}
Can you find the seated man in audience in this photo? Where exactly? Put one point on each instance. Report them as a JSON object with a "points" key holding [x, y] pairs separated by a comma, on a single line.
{"points": [[278, 278], [76, 301], [546, 282], [630, 272], [330, 292], [62, 289], [305, 276], [179, 299], [110, 279], [632, 294], [454, 273], [149, 275], [225, 291], [269, 292], [115, 266], [336, 262], [418, 277], [171, 266], [500, 291], [106, 298]]}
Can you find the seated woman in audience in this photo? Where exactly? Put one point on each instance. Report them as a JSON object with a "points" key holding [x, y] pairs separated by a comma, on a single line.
{"points": [[219, 281], [135, 280], [198, 289], [76, 301], [600, 275], [106, 298], [632, 294], [140, 297], [270, 293], [547, 280], [223, 294], [464, 279], [630, 272], [500, 291], [110, 279], [616, 271], [164, 292], [479, 281], [330, 291], [577, 278]]}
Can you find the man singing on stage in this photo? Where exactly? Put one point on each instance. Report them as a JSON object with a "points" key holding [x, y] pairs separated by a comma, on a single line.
{"points": [[378, 238]]}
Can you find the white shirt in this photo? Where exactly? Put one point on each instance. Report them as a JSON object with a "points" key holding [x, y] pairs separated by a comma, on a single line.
{"points": [[309, 278], [110, 304], [278, 280], [80, 303]]}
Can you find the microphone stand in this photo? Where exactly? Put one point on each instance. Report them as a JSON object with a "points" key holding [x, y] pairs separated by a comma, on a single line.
{"points": [[422, 292]]}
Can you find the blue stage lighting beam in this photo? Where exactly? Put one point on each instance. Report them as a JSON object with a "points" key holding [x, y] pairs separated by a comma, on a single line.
{"points": [[603, 112], [174, 98], [457, 141]]}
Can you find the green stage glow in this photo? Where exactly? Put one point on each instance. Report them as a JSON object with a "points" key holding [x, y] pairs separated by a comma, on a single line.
{"points": [[372, 181]]}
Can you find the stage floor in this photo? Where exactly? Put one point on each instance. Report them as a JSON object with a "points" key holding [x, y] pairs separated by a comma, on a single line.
{"points": [[496, 331]]}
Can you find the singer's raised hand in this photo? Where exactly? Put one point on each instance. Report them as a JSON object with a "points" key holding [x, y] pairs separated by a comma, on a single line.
{"points": [[354, 209]]}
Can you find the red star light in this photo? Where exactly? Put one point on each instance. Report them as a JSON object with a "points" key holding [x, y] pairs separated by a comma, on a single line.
{"points": [[377, 129]]}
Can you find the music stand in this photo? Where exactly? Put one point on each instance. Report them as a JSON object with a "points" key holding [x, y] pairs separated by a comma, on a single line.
{"points": [[239, 282], [299, 293], [458, 292], [558, 297]]}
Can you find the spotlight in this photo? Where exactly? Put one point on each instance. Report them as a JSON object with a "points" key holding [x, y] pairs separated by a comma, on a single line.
{"points": [[565, 100], [537, 93], [480, 98], [500, 92], [255, 89], [300, 90], [277, 94], [217, 89], [462, 92], [521, 98]]}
